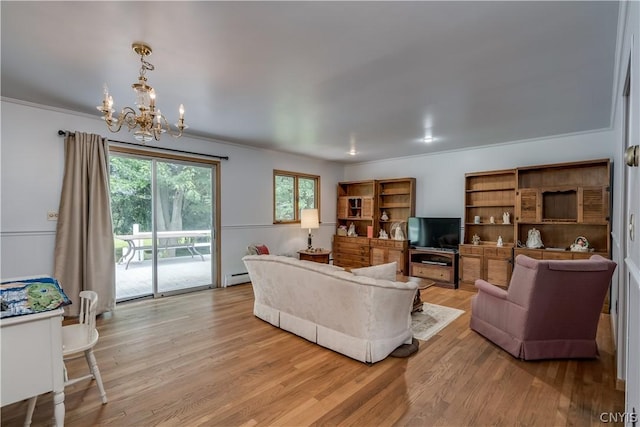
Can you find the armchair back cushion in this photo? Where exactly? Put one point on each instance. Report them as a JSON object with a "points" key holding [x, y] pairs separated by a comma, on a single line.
{"points": [[551, 309]]}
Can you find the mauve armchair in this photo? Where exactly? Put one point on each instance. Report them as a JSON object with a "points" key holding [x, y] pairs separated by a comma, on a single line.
{"points": [[550, 310]]}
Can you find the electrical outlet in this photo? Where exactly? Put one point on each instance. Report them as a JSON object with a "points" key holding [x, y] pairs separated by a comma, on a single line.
{"points": [[52, 216]]}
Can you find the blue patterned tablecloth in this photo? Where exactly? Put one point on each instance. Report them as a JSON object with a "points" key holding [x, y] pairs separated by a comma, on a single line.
{"points": [[28, 296]]}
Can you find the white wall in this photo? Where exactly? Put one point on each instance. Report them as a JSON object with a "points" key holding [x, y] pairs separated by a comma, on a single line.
{"points": [[440, 177], [32, 166]]}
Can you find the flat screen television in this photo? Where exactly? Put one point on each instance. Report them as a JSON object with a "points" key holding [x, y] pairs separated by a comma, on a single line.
{"points": [[434, 233]]}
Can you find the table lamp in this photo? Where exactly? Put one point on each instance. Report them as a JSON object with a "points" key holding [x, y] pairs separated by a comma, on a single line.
{"points": [[309, 219]]}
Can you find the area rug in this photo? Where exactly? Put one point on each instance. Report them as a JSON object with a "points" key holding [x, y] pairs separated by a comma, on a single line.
{"points": [[432, 319]]}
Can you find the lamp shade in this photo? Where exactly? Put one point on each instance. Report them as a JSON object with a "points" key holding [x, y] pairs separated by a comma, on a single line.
{"points": [[309, 218]]}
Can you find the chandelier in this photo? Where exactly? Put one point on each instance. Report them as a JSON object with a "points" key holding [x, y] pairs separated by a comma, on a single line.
{"points": [[149, 123]]}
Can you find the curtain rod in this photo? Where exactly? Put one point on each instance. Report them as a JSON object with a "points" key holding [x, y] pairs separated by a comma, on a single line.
{"points": [[65, 132]]}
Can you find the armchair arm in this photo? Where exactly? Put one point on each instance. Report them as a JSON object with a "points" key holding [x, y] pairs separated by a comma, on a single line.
{"points": [[490, 289]]}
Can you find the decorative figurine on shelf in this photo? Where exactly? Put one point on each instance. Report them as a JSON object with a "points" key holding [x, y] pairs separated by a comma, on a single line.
{"points": [[492, 220], [352, 231], [506, 218], [499, 242], [581, 244], [342, 230], [383, 234], [396, 231], [384, 216], [475, 239], [534, 240]]}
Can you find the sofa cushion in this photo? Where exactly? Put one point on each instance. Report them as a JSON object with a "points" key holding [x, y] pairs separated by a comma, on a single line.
{"points": [[382, 271]]}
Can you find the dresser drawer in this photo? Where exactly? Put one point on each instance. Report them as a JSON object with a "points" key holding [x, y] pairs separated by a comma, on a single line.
{"points": [[353, 240], [389, 243], [350, 260], [352, 249], [433, 272], [470, 250], [557, 255], [498, 252], [531, 253]]}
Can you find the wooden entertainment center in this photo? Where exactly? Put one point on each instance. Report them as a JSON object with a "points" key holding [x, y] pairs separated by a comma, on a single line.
{"points": [[439, 266], [562, 201]]}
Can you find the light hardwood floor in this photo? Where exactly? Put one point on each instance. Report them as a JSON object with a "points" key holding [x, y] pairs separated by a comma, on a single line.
{"points": [[204, 359]]}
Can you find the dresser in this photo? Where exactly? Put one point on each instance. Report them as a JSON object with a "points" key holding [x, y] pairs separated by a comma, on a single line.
{"points": [[31, 362]]}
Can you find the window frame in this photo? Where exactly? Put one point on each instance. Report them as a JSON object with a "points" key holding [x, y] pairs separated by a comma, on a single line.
{"points": [[296, 199]]}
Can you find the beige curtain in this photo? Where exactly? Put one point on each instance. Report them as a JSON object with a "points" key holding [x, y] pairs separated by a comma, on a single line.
{"points": [[84, 254]]}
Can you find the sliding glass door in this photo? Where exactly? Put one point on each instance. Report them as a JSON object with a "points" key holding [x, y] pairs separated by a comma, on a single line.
{"points": [[184, 215], [164, 211]]}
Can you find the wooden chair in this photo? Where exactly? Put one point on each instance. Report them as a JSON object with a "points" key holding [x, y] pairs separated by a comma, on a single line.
{"points": [[78, 340]]}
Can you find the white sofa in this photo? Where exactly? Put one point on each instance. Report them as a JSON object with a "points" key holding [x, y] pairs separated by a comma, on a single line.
{"points": [[361, 317]]}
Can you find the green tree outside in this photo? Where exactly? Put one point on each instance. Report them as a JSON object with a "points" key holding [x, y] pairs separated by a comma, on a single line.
{"points": [[183, 202]]}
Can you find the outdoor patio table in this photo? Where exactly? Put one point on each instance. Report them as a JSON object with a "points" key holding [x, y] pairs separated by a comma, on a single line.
{"points": [[186, 239]]}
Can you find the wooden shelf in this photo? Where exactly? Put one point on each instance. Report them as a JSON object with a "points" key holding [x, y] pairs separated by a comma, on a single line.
{"points": [[362, 203], [396, 198], [395, 205], [492, 205], [488, 194], [488, 224], [562, 201], [490, 189], [595, 224], [395, 192]]}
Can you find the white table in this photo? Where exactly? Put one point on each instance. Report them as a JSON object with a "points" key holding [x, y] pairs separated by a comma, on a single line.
{"points": [[31, 359], [190, 242]]}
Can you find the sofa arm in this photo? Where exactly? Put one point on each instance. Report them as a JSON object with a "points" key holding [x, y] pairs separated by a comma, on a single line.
{"points": [[490, 289]]}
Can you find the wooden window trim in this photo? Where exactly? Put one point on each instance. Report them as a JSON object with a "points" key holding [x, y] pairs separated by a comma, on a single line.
{"points": [[295, 176]]}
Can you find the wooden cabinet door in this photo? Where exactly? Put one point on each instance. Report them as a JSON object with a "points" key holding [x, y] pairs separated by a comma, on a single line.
{"points": [[498, 270], [367, 207], [343, 207], [399, 257], [528, 205], [470, 268], [593, 205], [378, 255]]}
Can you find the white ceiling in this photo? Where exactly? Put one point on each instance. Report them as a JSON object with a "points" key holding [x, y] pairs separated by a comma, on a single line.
{"points": [[317, 78]]}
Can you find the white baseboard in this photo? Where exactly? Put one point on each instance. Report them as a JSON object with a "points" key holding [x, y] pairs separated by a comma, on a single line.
{"points": [[235, 279]]}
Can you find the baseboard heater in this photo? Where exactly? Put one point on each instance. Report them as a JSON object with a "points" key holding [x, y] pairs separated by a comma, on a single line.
{"points": [[235, 279]]}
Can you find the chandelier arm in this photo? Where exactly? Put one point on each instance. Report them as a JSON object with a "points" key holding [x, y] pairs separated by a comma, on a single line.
{"points": [[166, 127]]}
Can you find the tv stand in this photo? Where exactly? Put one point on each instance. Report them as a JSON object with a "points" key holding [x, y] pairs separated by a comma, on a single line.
{"points": [[441, 266]]}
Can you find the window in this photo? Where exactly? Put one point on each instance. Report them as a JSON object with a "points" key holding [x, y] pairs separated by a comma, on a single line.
{"points": [[293, 192]]}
